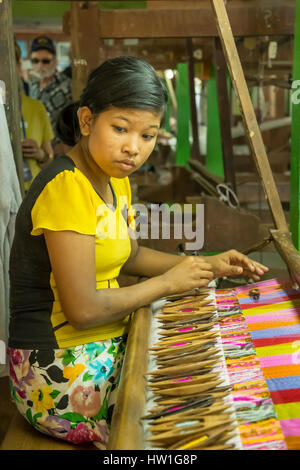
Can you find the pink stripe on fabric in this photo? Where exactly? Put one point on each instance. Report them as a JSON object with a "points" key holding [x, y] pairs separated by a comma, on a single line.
{"points": [[279, 360], [264, 284], [272, 316], [290, 427]]}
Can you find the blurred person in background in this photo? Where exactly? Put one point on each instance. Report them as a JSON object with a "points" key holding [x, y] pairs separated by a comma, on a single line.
{"points": [[53, 88], [36, 130]]}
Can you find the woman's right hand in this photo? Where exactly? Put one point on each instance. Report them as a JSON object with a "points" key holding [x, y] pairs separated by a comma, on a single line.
{"points": [[192, 272]]}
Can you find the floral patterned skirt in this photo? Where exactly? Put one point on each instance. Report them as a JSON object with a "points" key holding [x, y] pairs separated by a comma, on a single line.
{"points": [[68, 393]]}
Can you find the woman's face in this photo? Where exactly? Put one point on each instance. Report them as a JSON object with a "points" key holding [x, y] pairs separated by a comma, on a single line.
{"points": [[121, 139]]}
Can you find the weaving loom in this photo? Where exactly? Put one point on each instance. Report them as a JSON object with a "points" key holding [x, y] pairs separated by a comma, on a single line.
{"points": [[236, 374]]}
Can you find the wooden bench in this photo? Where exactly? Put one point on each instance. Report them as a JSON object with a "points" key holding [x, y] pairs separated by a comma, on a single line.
{"points": [[22, 436]]}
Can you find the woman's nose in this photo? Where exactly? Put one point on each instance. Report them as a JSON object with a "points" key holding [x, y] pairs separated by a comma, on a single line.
{"points": [[131, 146]]}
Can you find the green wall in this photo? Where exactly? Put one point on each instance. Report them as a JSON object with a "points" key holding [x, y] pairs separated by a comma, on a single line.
{"points": [[295, 143], [56, 9]]}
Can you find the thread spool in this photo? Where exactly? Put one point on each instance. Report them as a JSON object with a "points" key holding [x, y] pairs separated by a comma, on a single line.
{"points": [[254, 293]]}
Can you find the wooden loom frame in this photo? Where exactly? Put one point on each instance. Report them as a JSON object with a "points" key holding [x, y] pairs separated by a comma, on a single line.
{"points": [[127, 428]]}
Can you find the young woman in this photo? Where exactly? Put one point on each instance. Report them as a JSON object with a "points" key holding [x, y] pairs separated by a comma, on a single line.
{"points": [[69, 319]]}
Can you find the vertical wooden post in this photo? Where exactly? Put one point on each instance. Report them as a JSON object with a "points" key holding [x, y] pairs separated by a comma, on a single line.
{"points": [[195, 150], [295, 140], [9, 85], [85, 43], [224, 113]]}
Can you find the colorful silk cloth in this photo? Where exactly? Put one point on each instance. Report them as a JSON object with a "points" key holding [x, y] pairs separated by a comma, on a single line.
{"points": [[274, 324], [257, 422], [68, 393]]}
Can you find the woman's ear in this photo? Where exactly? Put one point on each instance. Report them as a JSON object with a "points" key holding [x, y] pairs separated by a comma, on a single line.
{"points": [[85, 118]]}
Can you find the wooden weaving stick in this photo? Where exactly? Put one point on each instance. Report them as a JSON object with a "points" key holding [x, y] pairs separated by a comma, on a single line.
{"points": [[187, 337], [191, 357], [174, 382], [216, 408], [185, 302], [185, 369], [205, 425], [208, 437], [166, 334]]}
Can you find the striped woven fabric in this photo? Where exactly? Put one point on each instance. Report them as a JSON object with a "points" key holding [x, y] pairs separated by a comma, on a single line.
{"points": [[274, 324], [258, 426]]}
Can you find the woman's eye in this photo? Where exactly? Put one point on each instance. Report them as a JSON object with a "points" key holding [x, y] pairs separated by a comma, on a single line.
{"points": [[148, 136], [119, 129]]}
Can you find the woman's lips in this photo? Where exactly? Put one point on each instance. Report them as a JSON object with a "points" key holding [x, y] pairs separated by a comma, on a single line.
{"points": [[126, 164]]}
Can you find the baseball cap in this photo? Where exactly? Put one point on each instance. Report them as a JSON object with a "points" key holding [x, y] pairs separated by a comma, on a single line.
{"points": [[43, 42]]}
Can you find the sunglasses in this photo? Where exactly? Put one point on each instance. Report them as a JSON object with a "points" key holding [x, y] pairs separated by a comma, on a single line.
{"points": [[43, 61]]}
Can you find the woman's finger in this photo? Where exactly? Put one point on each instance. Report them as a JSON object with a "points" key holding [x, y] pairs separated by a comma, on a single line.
{"points": [[250, 264]]}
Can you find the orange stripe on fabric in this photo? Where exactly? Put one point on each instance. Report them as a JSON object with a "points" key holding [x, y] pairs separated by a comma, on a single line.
{"points": [[281, 371], [255, 440], [293, 442], [262, 431], [273, 324]]}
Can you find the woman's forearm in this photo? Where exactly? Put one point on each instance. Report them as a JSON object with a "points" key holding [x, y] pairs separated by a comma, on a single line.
{"points": [[150, 263], [117, 303], [105, 306]]}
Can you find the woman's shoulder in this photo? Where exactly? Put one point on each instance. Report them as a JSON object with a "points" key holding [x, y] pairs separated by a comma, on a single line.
{"points": [[60, 166], [60, 176]]}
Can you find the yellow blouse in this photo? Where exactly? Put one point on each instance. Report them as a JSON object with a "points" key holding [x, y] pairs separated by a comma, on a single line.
{"points": [[69, 202]]}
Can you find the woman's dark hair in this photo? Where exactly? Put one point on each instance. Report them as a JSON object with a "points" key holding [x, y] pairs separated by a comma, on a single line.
{"points": [[122, 82], [67, 125]]}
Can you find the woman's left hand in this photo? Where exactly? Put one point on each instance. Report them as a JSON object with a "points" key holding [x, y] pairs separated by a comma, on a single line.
{"points": [[232, 263]]}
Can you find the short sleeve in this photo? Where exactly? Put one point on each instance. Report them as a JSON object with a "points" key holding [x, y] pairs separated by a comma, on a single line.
{"points": [[65, 203]]}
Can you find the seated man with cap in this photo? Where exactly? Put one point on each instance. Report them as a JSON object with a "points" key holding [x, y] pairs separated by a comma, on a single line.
{"points": [[48, 85]]}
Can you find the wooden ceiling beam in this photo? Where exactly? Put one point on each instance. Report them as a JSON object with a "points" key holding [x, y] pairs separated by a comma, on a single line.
{"points": [[246, 19]]}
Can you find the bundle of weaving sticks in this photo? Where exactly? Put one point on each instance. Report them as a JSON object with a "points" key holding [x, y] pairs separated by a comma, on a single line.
{"points": [[191, 411]]}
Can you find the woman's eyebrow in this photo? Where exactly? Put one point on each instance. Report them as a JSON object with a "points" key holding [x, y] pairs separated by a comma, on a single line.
{"points": [[154, 126]]}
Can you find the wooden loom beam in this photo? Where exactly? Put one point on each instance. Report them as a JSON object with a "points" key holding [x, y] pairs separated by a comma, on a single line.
{"points": [[126, 428], [246, 18], [288, 252]]}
